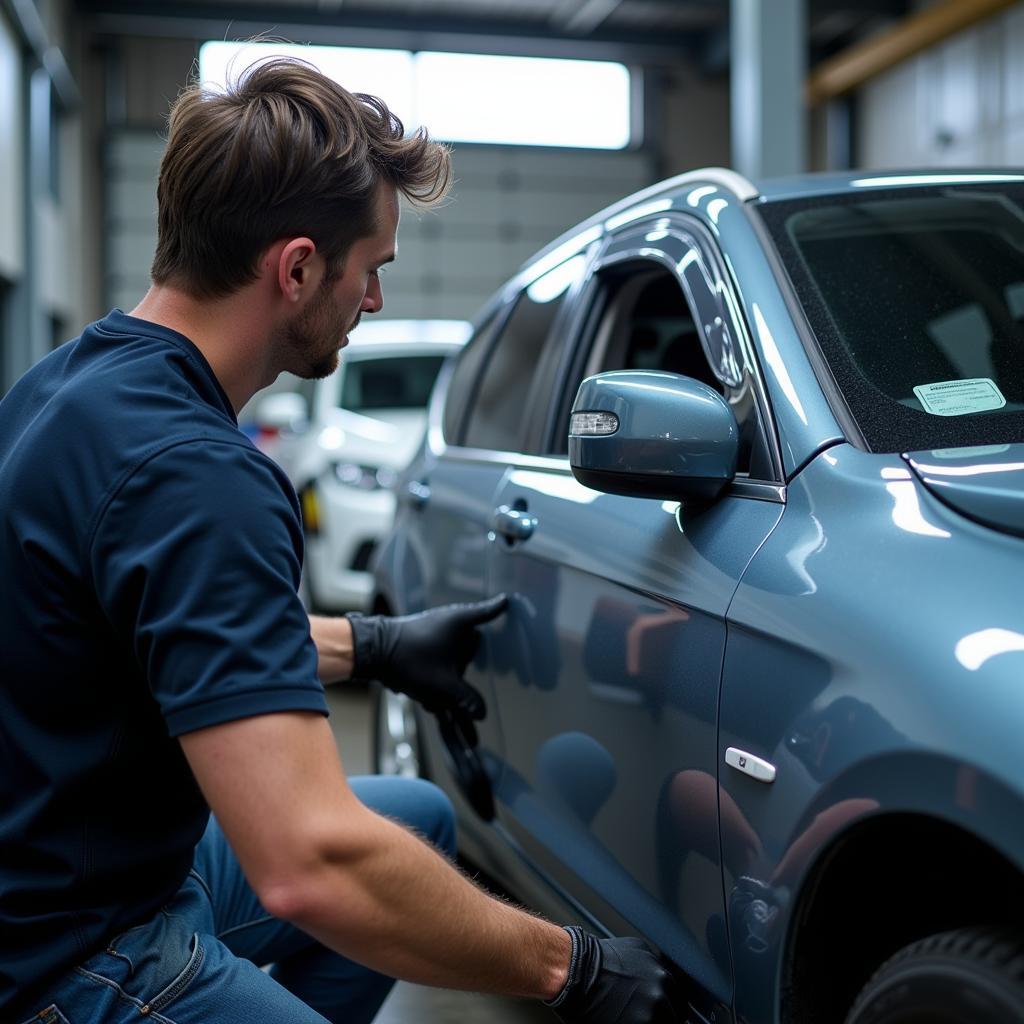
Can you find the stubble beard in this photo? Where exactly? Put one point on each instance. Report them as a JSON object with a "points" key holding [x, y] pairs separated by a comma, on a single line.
{"points": [[314, 336]]}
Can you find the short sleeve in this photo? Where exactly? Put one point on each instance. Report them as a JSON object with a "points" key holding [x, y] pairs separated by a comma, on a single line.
{"points": [[196, 561]]}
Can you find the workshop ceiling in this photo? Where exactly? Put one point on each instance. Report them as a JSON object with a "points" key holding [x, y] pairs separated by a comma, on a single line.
{"points": [[644, 29]]}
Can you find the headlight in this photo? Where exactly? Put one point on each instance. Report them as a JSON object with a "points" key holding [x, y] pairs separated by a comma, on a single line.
{"points": [[364, 478]]}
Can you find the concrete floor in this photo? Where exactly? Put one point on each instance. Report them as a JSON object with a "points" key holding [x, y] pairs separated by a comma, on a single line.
{"points": [[350, 720]]}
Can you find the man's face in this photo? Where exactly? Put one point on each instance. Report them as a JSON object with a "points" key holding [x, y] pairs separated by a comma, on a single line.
{"points": [[315, 335]]}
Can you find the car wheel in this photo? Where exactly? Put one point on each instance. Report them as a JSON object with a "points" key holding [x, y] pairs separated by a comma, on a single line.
{"points": [[396, 741], [969, 976]]}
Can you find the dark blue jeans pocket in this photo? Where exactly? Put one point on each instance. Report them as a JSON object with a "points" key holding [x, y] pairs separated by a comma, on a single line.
{"points": [[50, 1015], [152, 965]]}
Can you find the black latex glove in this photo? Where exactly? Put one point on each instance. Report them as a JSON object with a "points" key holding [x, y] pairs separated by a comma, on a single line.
{"points": [[425, 655], [616, 981]]}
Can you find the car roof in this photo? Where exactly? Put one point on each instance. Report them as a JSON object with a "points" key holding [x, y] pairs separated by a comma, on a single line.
{"points": [[745, 190], [831, 183]]}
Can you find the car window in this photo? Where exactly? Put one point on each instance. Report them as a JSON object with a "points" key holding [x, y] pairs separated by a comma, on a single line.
{"points": [[389, 383], [464, 379], [916, 300], [497, 418], [642, 321]]}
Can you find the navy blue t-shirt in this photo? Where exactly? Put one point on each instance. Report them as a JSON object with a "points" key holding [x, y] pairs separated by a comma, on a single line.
{"points": [[149, 562]]}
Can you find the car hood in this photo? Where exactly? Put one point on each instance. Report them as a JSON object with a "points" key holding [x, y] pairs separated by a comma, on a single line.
{"points": [[985, 484]]}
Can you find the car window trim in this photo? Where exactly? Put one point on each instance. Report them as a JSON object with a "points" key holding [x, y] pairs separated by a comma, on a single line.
{"points": [[833, 395]]}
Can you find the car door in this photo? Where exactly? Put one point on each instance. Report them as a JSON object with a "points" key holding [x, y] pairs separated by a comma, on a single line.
{"points": [[451, 494], [608, 665]]}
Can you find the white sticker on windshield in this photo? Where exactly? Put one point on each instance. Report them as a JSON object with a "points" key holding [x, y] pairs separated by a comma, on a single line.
{"points": [[960, 397]]}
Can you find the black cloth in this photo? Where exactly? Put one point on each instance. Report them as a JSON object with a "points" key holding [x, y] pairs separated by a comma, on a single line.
{"points": [[149, 561]]}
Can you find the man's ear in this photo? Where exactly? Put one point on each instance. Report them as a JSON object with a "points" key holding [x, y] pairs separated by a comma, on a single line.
{"points": [[299, 268]]}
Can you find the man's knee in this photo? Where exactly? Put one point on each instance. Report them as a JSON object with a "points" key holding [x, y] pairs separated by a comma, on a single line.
{"points": [[416, 803]]}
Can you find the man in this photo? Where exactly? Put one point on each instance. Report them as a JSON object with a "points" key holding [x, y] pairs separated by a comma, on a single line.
{"points": [[157, 663]]}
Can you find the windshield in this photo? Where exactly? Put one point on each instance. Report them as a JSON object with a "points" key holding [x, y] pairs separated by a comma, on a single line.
{"points": [[916, 300], [395, 382]]}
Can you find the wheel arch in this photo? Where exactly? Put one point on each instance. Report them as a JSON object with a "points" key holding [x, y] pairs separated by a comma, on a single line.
{"points": [[890, 879]]}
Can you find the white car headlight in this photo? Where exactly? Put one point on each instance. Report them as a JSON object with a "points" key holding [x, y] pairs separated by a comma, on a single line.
{"points": [[364, 478]]}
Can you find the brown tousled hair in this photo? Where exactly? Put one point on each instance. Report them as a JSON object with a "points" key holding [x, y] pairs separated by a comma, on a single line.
{"points": [[285, 152]]}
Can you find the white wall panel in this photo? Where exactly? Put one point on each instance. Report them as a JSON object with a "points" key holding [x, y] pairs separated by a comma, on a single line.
{"points": [[53, 253], [12, 154], [960, 104], [1012, 63]]}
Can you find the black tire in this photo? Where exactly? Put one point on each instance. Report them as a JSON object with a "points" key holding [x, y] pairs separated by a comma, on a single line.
{"points": [[968, 976]]}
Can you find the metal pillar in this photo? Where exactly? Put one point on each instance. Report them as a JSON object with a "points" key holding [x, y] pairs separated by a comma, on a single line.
{"points": [[769, 68]]}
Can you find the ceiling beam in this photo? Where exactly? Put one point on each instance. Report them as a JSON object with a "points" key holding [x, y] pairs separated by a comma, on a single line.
{"points": [[201, 21], [865, 60]]}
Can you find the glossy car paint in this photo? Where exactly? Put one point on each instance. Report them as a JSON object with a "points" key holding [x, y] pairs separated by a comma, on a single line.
{"points": [[986, 484], [869, 661], [857, 626], [607, 666]]}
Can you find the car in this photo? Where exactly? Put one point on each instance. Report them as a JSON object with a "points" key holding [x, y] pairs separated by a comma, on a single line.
{"points": [[341, 440], [748, 461]]}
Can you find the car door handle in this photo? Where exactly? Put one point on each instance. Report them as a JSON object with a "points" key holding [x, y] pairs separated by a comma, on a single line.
{"points": [[514, 523], [418, 493]]}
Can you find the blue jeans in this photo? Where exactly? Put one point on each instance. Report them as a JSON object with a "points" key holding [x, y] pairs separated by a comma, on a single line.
{"points": [[198, 960]]}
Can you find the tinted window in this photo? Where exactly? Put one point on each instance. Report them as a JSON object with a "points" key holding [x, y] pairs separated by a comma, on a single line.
{"points": [[497, 419], [464, 379], [917, 302], [401, 382]]}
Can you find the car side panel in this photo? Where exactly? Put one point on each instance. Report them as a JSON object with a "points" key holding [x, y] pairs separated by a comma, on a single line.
{"points": [[606, 671], [845, 670]]}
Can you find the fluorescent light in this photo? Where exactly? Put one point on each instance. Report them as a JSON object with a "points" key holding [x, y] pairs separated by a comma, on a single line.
{"points": [[464, 97], [526, 101], [384, 73]]}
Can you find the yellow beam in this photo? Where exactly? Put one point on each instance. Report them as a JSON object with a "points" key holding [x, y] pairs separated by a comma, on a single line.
{"points": [[864, 60]]}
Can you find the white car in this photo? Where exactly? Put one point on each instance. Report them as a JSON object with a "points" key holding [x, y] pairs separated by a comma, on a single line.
{"points": [[342, 441]]}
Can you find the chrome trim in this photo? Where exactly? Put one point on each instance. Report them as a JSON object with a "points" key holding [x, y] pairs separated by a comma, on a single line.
{"points": [[757, 490]]}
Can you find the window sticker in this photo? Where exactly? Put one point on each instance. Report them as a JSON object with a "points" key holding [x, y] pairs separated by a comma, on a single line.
{"points": [[960, 397]]}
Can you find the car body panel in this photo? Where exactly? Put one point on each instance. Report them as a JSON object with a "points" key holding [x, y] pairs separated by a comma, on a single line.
{"points": [[831, 677], [594, 728], [986, 484]]}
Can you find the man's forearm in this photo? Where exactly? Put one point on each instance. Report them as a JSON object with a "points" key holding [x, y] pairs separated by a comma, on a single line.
{"points": [[333, 639], [393, 903]]}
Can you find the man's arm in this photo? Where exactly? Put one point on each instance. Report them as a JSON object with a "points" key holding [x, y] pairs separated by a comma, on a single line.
{"points": [[359, 883], [333, 639], [423, 655]]}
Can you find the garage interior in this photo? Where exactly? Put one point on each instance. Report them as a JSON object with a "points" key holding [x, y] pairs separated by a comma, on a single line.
{"points": [[766, 87]]}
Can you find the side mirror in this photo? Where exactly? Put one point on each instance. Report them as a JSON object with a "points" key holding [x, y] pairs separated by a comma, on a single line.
{"points": [[285, 410], [652, 435]]}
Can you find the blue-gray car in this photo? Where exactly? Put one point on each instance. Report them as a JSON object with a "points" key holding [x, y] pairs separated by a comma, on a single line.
{"points": [[749, 462]]}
